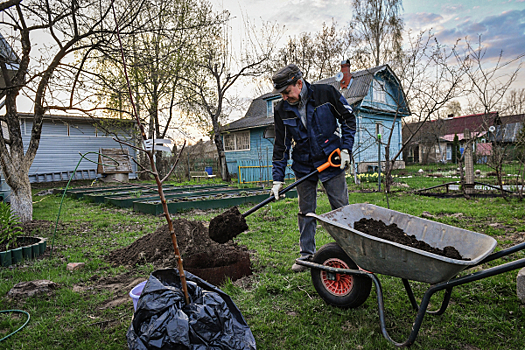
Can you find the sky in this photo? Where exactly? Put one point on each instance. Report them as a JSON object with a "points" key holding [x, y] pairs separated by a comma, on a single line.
{"points": [[501, 23]]}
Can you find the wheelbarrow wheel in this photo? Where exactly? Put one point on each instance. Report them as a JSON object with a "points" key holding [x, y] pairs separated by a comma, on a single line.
{"points": [[341, 290]]}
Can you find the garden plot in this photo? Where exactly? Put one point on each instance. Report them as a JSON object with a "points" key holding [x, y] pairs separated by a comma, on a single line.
{"points": [[127, 201], [205, 201], [147, 200]]}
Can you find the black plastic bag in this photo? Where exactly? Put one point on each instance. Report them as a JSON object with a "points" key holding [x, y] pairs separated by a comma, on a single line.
{"points": [[163, 321]]}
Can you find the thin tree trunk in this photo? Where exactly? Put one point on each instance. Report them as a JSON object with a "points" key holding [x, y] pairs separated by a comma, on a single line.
{"points": [[225, 174]]}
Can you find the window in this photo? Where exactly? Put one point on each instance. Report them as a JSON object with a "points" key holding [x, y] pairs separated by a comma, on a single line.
{"points": [[229, 142], [239, 141], [379, 92], [270, 107]]}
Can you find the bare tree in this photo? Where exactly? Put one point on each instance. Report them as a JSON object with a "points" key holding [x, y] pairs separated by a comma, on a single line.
{"points": [[317, 54], [157, 60], [514, 102], [429, 82], [219, 69], [330, 50], [377, 28], [75, 31], [299, 50], [452, 109], [489, 81]]}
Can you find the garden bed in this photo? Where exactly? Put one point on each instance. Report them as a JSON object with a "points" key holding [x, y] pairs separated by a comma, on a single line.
{"points": [[204, 203], [127, 201]]}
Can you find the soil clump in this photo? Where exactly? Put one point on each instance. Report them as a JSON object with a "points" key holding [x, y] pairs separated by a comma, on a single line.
{"points": [[201, 256], [378, 228], [228, 225]]}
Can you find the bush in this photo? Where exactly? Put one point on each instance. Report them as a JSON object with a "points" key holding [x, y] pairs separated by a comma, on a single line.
{"points": [[10, 227]]}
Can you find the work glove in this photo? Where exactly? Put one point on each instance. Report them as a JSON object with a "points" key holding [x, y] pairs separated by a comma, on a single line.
{"points": [[345, 158], [277, 186]]}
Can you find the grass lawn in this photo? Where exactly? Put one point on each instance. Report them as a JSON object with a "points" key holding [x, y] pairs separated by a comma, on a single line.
{"points": [[90, 309]]}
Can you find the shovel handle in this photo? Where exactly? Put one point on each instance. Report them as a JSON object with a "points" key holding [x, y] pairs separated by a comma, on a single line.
{"points": [[283, 191], [334, 160]]}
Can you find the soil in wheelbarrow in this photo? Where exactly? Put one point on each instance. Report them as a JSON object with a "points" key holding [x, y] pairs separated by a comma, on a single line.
{"points": [[393, 233], [202, 256]]}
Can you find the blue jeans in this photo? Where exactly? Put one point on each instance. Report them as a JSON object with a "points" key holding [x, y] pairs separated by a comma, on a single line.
{"points": [[337, 192]]}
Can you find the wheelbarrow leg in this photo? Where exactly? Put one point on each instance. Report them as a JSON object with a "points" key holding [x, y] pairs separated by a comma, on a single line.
{"points": [[444, 304], [422, 310]]}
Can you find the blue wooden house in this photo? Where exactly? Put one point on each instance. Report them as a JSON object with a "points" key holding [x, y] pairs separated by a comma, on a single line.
{"points": [[379, 104], [64, 137]]}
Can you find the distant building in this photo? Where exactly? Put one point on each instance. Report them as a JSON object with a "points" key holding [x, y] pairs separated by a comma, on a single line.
{"points": [[62, 140], [431, 142]]}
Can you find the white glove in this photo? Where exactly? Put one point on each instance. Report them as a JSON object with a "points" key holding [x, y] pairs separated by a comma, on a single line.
{"points": [[345, 158], [277, 186]]}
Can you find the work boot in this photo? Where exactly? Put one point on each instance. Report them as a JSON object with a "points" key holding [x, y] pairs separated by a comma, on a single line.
{"points": [[299, 268]]}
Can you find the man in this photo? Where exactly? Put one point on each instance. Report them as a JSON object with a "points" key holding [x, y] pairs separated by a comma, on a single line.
{"points": [[312, 121]]}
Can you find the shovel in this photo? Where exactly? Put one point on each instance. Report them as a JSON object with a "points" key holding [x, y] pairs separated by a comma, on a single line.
{"points": [[231, 223]]}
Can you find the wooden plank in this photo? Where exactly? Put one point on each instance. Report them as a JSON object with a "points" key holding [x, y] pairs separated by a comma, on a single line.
{"points": [[108, 166]]}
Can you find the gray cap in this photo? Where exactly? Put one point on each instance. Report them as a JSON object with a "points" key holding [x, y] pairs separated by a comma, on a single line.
{"points": [[286, 76]]}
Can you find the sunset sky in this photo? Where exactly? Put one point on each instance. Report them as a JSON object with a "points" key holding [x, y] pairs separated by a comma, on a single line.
{"points": [[501, 23]]}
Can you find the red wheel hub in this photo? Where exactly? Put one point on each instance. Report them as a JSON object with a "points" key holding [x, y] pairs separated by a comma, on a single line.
{"points": [[337, 284]]}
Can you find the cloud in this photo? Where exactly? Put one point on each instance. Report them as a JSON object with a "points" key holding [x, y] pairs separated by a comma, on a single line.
{"points": [[309, 15], [502, 32], [423, 20], [452, 9]]}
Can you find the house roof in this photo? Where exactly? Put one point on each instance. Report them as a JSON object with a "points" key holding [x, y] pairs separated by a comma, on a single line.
{"points": [[8, 55], [478, 124], [450, 137], [474, 122], [256, 116], [484, 149], [359, 85], [202, 148], [74, 118], [507, 132]]}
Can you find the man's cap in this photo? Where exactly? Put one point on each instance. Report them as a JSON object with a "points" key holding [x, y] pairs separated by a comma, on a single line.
{"points": [[286, 76]]}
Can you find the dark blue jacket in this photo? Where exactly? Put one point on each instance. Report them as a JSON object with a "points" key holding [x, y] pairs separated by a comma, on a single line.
{"points": [[331, 124]]}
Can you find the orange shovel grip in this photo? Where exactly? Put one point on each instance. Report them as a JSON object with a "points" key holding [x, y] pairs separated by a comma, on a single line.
{"points": [[332, 159]]}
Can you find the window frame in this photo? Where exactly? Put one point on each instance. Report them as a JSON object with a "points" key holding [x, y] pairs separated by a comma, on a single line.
{"points": [[379, 91], [233, 141], [270, 107]]}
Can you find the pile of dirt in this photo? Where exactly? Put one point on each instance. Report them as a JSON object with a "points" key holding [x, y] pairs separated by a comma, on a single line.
{"points": [[393, 233], [200, 254]]}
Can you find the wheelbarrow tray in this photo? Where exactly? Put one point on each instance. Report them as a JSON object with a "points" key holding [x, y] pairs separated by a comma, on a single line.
{"points": [[389, 258]]}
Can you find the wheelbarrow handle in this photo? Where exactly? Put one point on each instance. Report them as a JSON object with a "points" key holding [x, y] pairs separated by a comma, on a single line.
{"points": [[334, 160]]}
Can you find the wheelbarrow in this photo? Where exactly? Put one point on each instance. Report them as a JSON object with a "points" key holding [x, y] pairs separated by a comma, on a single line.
{"points": [[343, 272]]}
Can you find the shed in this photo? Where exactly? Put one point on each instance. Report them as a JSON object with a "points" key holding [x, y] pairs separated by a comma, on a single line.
{"points": [[64, 138]]}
